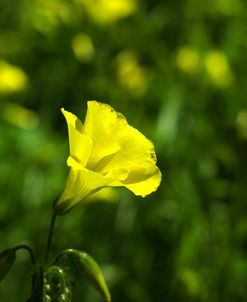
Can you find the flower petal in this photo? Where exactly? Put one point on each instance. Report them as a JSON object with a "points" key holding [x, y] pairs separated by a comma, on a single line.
{"points": [[103, 125], [142, 184], [79, 144], [80, 184]]}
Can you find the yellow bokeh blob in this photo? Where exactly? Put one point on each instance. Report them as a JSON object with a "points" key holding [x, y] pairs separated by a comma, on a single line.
{"points": [[108, 11], [132, 76], [83, 48], [19, 116], [187, 59], [12, 78], [47, 15], [218, 68]]}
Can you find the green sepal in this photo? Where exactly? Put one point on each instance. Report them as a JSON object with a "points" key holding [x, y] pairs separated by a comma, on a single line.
{"points": [[79, 264], [63, 208], [7, 258]]}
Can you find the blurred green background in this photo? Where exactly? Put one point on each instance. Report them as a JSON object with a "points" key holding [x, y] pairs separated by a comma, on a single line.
{"points": [[177, 71]]}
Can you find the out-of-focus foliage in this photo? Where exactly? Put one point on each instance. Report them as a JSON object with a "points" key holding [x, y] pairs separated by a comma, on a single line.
{"points": [[177, 70]]}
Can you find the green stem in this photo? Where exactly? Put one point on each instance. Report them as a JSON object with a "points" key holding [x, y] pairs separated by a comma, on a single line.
{"points": [[27, 248], [49, 240]]}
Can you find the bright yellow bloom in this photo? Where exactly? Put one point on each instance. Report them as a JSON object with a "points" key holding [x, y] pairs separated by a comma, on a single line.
{"points": [[106, 152]]}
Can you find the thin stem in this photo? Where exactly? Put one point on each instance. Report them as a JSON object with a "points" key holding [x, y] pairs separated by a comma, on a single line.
{"points": [[27, 248], [49, 240]]}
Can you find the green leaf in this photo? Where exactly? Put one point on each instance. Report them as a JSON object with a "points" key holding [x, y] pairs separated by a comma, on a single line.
{"points": [[7, 258], [81, 263]]}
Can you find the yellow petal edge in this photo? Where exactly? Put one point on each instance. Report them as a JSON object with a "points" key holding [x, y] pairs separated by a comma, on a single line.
{"points": [[106, 151]]}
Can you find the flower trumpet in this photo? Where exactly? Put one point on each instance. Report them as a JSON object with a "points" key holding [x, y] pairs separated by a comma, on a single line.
{"points": [[106, 151]]}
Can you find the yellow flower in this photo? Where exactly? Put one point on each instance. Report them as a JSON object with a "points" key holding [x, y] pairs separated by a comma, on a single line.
{"points": [[106, 152]]}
